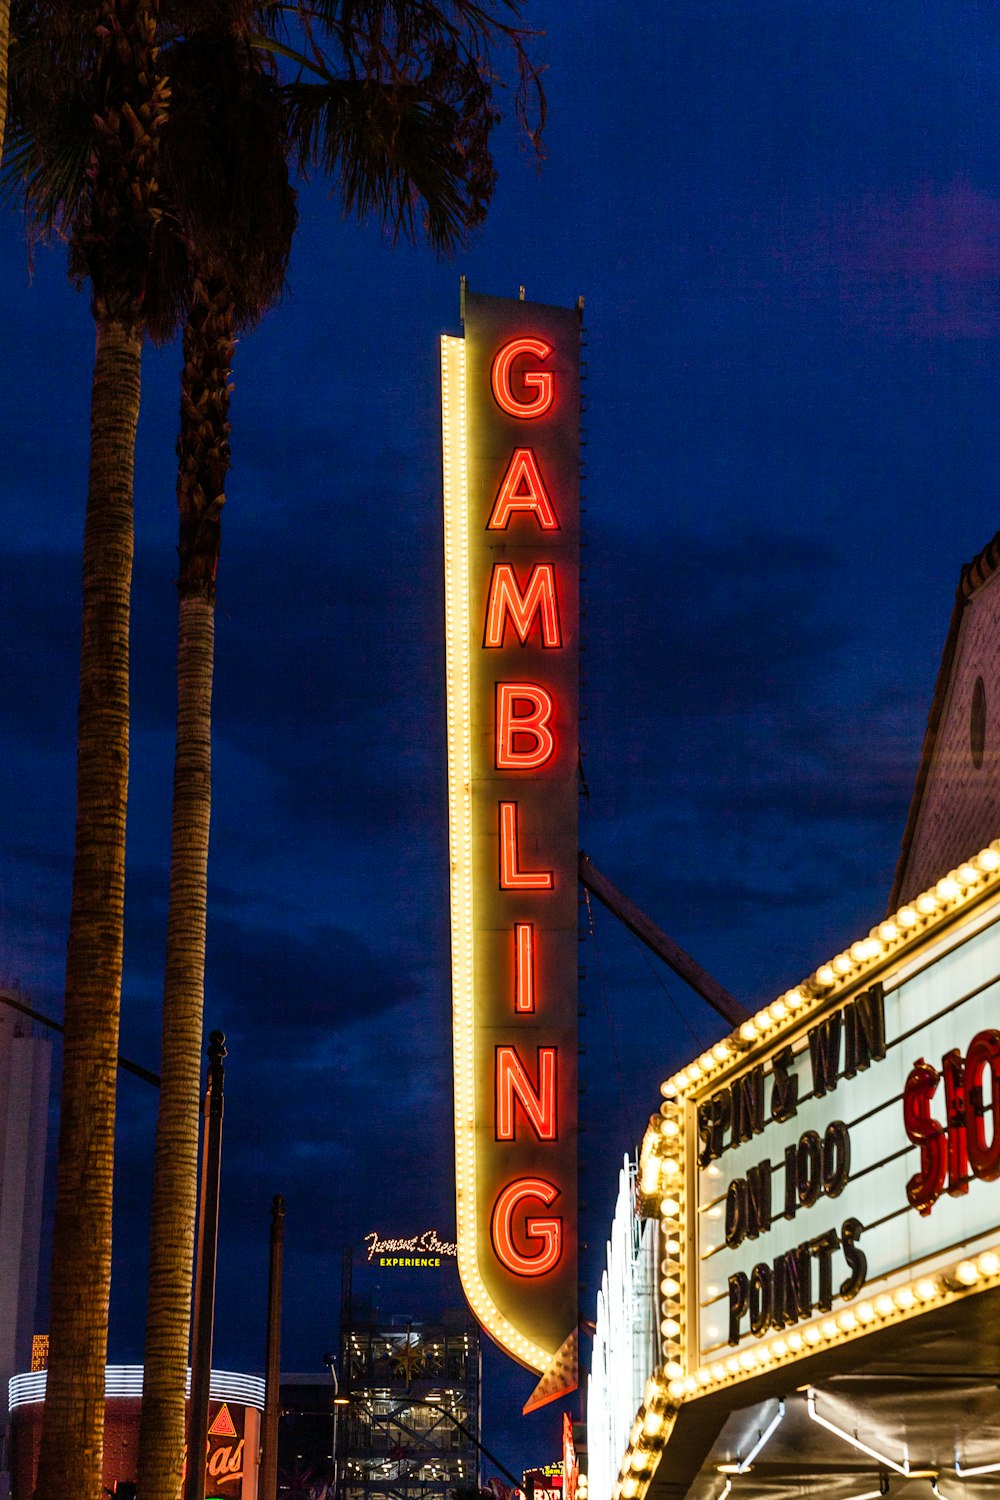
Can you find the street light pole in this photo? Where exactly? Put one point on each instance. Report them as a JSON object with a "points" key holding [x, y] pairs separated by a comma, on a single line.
{"points": [[269, 1459], [204, 1285], [338, 1401]]}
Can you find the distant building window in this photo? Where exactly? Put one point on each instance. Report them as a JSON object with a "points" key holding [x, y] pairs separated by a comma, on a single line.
{"points": [[977, 723]]}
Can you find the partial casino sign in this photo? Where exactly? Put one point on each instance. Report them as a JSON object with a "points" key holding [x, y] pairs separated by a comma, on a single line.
{"points": [[511, 416], [832, 1168]]}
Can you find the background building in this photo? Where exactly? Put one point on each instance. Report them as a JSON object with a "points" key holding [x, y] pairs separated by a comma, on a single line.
{"points": [[24, 1101], [411, 1424], [235, 1404]]}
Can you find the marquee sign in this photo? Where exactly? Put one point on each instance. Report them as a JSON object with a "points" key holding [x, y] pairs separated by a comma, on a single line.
{"points": [[510, 398], [832, 1168]]}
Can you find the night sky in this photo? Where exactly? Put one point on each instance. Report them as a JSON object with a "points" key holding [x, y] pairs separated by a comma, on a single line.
{"points": [[785, 220]]}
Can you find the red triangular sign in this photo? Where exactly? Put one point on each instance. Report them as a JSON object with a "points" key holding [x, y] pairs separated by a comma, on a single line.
{"points": [[223, 1424]]}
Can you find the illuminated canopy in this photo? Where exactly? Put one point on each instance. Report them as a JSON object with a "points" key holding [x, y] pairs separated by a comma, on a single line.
{"points": [[827, 1184]]}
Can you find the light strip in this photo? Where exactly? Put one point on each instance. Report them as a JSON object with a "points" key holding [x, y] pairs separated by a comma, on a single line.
{"points": [[979, 1469], [882, 1458], [914, 923], [745, 1463], [125, 1381], [458, 676]]}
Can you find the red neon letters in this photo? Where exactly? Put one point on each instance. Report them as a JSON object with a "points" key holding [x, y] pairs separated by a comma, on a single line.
{"points": [[538, 380], [548, 1231], [513, 1087], [969, 1142], [523, 489], [507, 601], [524, 968], [512, 877], [526, 1100], [524, 740]]}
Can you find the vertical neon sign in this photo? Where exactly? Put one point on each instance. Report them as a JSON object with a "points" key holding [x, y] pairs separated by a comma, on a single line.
{"points": [[510, 399]]}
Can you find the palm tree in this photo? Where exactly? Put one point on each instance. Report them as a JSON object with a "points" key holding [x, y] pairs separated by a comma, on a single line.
{"points": [[398, 106], [225, 171], [399, 118], [92, 64], [4, 41]]}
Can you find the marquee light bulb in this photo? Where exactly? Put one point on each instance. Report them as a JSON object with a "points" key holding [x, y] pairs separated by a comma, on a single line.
{"points": [[988, 860], [670, 1328], [967, 1272], [748, 1031], [669, 1208], [825, 975]]}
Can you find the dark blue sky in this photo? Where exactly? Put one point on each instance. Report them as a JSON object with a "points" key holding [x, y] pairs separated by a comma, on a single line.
{"points": [[785, 220]]}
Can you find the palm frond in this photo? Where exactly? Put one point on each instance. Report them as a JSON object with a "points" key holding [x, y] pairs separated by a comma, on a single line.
{"points": [[394, 154], [224, 168]]}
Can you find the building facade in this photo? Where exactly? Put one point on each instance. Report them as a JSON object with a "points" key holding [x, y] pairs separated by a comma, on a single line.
{"points": [[826, 1178], [233, 1449]]}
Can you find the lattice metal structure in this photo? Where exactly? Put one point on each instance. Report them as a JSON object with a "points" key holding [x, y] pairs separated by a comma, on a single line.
{"points": [[411, 1426]]}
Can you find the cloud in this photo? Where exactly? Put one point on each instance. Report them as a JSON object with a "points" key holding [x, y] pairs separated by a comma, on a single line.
{"points": [[922, 261]]}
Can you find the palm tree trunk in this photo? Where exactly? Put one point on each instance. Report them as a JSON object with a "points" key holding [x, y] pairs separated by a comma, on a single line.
{"points": [[203, 453], [4, 44], [72, 1436]]}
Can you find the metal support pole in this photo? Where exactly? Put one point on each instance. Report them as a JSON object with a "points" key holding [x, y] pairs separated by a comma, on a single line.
{"points": [[268, 1484], [204, 1284], [672, 954]]}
